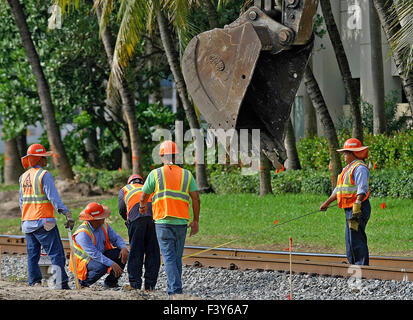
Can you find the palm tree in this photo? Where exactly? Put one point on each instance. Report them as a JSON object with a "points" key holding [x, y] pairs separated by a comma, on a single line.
{"points": [[329, 130], [60, 158], [138, 17], [350, 84], [402, 10], [12, 164], [397, 36], [379, 114], [127, 101]]}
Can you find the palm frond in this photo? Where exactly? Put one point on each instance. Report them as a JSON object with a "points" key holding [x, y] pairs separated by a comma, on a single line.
{"points": [[65, 5], [401, 15], [132, 14], [107, 9]]}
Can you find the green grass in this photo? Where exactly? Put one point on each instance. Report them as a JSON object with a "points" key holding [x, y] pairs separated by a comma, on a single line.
{"points": [[248, 220]]}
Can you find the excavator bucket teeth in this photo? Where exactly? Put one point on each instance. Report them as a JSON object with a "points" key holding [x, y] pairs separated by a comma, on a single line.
{"points": [[237, 83]]}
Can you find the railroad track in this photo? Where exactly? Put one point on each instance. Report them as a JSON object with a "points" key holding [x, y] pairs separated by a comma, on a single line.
{"points": [[383, 268]]}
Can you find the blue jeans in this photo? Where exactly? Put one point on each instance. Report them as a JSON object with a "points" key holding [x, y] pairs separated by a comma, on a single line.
{"points": [[144, 249], [96, 270], [52, 244], [357, 250], [171, 240]]}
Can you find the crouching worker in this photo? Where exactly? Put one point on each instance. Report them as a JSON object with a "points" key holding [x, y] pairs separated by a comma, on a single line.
{"points": [[98, 249]]}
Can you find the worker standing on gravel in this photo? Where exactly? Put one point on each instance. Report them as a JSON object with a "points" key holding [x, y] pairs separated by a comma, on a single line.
{"points": [[38, 199], [172, 189], [143, 244], [98, 249], [352, 193]]}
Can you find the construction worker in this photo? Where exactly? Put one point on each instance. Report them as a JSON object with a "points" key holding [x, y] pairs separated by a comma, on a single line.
{"points": [[172, 188], [98, 249], [143, 244], [38, 199], [352, 193]]}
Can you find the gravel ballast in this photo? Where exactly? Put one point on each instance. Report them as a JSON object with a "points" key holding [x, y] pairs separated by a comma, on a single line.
{"points": [[224, 284]]}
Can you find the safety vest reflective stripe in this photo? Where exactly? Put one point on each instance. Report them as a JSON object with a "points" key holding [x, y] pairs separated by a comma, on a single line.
{"points": [[35, 204], [78, 250], [168, 193], [84, 227], [346, 189], [171, 197], [37, 196], [132, 196], [345, 183], [131, 192]]}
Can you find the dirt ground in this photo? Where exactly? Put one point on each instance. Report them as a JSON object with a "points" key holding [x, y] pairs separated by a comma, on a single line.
{"points": [[13, 290], [10, 290]]}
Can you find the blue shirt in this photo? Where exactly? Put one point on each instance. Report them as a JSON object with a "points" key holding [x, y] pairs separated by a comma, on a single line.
{"points": [[134, 212], [361, 176], [96, 251], [49, 189]]}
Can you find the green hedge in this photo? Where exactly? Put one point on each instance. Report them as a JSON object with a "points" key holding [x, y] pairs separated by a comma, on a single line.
{"points": [[386, 152], [383, 183]]}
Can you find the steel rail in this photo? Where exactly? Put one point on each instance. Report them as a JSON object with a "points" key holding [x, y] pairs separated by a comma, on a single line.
{"points": [[381, 267]]}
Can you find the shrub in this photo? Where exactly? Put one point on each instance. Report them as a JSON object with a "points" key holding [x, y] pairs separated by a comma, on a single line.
{"points": [[393, 151], [106, 179], [383, 183]]}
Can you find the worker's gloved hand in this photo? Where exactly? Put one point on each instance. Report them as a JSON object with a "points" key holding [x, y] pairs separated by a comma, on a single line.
{"points": [[357, 210], [354, 221], [70, 222]]}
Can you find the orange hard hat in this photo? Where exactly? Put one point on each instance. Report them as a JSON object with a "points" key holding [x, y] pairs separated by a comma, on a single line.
{"points": [[33, 152], [354, 145], [38, 150], [135, 177], [94, 211], [168, 147]]}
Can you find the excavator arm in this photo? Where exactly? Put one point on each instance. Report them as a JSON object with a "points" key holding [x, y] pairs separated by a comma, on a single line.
{"points": [[246, 75]]}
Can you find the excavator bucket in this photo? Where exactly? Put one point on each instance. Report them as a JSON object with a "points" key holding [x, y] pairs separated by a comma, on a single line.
{"points": [[246, 75]]}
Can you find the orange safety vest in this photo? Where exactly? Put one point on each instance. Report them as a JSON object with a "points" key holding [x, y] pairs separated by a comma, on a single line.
{"points": [[132, 195], [346, 188], [35, 204], [81, 257], [171, 196]]}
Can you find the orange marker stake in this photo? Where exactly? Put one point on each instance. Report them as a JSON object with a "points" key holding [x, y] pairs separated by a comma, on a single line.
{"points": [[291, 269], [290, 248]]}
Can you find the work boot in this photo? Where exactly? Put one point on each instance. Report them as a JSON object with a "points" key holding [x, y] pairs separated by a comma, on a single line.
{"points": [[128, 287]]}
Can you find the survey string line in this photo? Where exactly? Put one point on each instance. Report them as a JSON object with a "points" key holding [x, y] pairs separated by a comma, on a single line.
{"points": [[275, 224]]}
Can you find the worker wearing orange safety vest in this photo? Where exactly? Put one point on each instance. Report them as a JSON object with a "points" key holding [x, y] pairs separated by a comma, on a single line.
{"points": [[98, 249], [143, 244], [352, 193], [39, 198], [172, 189]]}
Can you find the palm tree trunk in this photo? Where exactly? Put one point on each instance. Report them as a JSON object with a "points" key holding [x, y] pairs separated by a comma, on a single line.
{"points": [[329, 130], [211, 14], [265, 175], [127, 102], [12, 164], [310, 116], [60, 158], [379, 114], [189, 109], [293, 161], [350, 84], [390, 26]]}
